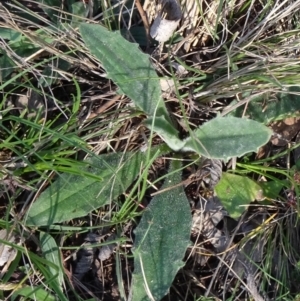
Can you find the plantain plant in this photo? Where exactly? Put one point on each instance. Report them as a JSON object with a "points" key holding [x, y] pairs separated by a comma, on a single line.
{"points": [[73, 196]]}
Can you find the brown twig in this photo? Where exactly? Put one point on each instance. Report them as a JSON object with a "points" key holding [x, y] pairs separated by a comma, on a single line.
{"points": [[145, 21]]}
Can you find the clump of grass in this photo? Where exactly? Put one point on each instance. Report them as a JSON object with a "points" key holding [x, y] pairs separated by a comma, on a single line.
{"points": [[247, 50]]}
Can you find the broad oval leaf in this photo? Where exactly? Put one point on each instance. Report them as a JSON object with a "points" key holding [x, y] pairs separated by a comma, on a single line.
{"points": [[161, 240], [127, 66], [236, 193], [226, 137], [72, 196]]}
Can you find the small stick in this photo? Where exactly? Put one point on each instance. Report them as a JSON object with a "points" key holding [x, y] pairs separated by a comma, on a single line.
{"points": [[104, 107], [145, 21]]}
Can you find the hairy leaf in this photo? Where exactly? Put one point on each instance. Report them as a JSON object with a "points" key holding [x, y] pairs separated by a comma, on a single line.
{"points": [[71, 196], [166, 131], [236, 193], [161, 240], [127, 66], [226, 137]]}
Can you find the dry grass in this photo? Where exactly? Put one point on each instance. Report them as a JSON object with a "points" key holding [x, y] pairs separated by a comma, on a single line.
{"points": [[230, 50]]}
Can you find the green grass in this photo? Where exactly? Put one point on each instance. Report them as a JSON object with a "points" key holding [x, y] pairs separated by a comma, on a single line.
{"points": [[246, 63]]}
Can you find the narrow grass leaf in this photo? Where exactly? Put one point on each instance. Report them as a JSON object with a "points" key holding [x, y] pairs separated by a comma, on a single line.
{"points": [[33, 293], [127, 66], [236, 193], [51, 253], [41, 265], [15, 265], [226, 137], [161, 240], [72, 196]]}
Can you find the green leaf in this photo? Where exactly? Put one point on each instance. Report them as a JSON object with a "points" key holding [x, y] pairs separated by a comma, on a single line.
{"points": [[33, 293], [7, 66], [24, 47], [54, 13], [236, 193], [10, 34], [264, 110], [52, 254], [161, 240], [137, 32], [49, 75], [271, 189], [79, 9], [127, 66], [166, 131], [226, 137], [71, 196]]}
